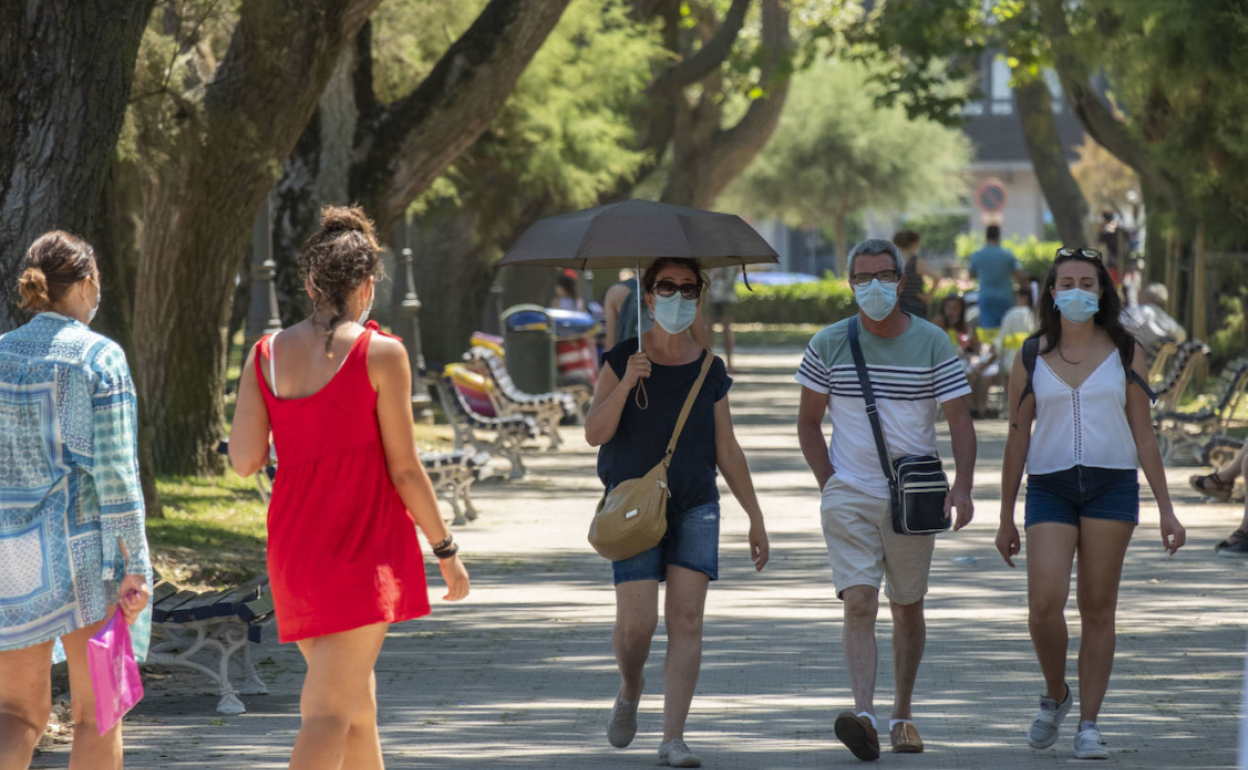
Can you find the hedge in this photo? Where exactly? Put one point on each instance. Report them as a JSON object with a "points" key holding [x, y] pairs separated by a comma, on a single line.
{"points": [[824, 302]]}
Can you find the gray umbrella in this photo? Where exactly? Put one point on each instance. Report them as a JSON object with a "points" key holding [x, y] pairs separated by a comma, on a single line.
{"points": [[635, 233]]}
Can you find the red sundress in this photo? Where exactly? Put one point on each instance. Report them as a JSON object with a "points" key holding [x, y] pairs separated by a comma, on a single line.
{"points": [[342, 549]]}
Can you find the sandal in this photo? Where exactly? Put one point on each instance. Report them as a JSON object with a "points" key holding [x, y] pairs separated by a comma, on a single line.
{"points": [[1213, 487], [1241, 538]]}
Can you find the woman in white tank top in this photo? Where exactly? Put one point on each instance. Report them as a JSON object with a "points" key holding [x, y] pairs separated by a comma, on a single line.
{"points": [[1092, 427]]}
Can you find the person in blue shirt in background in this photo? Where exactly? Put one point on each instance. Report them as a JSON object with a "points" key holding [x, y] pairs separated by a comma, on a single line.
{"points": [[997, 269]]}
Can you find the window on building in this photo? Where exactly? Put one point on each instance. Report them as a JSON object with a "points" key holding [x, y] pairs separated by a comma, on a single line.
{"points": [[1002, 96]]}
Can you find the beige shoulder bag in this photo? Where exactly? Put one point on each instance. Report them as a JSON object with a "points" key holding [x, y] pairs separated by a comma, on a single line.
{"points": [[632, 517]]}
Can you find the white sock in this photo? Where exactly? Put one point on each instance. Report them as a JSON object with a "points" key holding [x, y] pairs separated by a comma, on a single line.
{"points": [[894, 722], [870, 716]]}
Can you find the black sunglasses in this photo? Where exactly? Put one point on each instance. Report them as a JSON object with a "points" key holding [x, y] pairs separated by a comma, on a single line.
{"points": [[1084, 252], [667, 288]]}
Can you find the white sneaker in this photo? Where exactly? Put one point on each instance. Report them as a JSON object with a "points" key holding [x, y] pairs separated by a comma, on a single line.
{"points": [[1043, 732], [675, 753], [1088, 742], [623, 724]]}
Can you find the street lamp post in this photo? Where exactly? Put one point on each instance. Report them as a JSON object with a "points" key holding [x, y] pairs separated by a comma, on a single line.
{"points": [[263, 316], [410, 308]]}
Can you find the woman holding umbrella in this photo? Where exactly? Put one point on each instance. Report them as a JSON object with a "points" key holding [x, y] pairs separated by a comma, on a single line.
{"points": [[631, 422]]}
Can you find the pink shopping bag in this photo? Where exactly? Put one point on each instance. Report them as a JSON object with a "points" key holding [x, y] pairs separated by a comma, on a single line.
{"points": [[114, 672]]}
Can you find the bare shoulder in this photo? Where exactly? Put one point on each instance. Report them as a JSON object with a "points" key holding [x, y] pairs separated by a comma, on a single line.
{"points": [[617, 293], [384, 351]]}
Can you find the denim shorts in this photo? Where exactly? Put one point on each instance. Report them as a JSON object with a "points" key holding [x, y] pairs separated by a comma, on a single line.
{"points": [[1096, 493], [692, 542]]}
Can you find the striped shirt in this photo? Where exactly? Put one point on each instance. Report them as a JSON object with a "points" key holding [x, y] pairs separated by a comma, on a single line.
{"points": [[910, 374]]}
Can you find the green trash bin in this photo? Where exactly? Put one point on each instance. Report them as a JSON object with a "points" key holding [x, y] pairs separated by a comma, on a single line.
{"points": [[529, 344]]}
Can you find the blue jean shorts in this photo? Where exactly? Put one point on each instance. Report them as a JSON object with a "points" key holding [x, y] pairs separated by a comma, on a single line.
{"points": [[692, 542], [1095, 493]]}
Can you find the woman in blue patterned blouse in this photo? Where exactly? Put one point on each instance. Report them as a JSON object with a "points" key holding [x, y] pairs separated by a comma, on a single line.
{"points": [[71, 510]]}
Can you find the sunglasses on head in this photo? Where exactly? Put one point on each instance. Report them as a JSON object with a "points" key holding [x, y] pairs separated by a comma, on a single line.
{"points": [[1084, 252], [667, 288]]}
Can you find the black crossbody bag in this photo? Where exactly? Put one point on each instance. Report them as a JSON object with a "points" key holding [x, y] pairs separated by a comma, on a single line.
{"points": [[917, 484]]}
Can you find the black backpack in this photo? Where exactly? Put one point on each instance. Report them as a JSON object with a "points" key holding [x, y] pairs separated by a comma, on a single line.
{"points": [[1031, 351]]}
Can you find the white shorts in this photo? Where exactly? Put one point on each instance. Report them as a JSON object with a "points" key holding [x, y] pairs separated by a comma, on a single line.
{"points": [[864, 549]]}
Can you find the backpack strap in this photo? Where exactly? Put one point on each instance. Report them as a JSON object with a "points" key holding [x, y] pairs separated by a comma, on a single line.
{"points": [[1132, 375], [1030, 351]]}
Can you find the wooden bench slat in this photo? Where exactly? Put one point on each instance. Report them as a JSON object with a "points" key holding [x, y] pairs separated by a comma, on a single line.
{"points": [[249, 591], [257, 608], [191, 610], [163, 612]]}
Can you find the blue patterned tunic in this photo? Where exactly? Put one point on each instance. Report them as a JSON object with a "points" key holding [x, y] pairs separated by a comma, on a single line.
{"points": [[69, 481]]}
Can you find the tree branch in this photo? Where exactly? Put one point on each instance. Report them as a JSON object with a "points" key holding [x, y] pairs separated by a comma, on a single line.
{"points": [[413, 140], [761, 119], [709, 57], [1048, 158], [1096, 117]]}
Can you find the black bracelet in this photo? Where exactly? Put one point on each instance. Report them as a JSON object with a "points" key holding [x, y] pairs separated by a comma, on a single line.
{"points": [[442, 546], [447, 552]]}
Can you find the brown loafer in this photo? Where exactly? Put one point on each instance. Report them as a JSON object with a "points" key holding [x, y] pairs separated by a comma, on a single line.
{"points": [[906, 739], [858, 736]]}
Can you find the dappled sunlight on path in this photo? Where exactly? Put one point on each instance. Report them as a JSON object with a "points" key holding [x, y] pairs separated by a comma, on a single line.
{"points": [[522, 674]]}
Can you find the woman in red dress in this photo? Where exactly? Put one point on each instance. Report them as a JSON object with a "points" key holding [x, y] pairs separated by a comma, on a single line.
{"points": [[344, 561]]}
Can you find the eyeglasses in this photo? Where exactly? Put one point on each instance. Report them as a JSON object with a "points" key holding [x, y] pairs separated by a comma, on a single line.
{"points": [[884, 276], [1086, 253], [669, 288]]}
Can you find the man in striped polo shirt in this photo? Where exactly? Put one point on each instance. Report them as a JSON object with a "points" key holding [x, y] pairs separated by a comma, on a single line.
{"points": [[913, 367]]}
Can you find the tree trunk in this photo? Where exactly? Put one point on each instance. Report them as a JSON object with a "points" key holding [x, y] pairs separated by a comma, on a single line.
{"points": [[1048, 158], [212, 162], [403, 147], [453, 277], [706, 158], [65, 73], [315, 175], [840, 221], [1095, 116]]}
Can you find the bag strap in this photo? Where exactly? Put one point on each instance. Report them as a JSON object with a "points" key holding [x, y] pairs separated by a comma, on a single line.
{"points": [[1030, 351], [688, 407], [1128, 359], [868, 395]]}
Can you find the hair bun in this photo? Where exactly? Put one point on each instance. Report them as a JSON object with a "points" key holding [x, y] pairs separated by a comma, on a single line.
{"points": [[33, 288], [345, 219]]}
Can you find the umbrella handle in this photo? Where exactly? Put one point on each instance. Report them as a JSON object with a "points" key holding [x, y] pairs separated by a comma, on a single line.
{"points": [[639, 287]]}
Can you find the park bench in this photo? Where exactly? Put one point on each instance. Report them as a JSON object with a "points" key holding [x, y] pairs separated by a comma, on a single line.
{"points": [[1192, 431], [1189, 358], [451, 473], [1159, 357], [510, 431], [546, 409], [206, 631]]}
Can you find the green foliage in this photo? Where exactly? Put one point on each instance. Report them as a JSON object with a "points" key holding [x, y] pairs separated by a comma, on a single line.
{"points": [[940, 231], [825, 302], [408, 38], [836, 152], [1036, 255], [565, 134], [1176, 67]]}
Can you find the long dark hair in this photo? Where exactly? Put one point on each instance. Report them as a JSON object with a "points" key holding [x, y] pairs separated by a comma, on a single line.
{"points": [[960, 327], [1108, 316]]}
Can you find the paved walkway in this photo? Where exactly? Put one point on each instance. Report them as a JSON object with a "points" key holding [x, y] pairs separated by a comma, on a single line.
{"points": [[522, 675]]}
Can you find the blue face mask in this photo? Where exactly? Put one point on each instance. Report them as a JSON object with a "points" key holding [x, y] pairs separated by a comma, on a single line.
{"points": [[876, 299], [1078, 305], [675, 313]]}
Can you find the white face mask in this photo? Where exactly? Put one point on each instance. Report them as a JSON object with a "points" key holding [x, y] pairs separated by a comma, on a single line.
{"points": [[99, 297], [364, 316]]}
